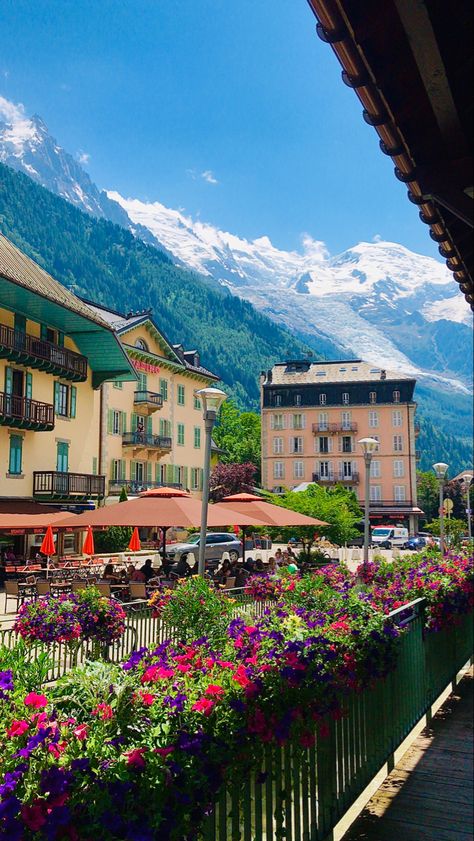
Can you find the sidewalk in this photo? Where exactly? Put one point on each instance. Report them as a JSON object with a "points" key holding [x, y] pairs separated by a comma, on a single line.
{"points": [[429, 794]]}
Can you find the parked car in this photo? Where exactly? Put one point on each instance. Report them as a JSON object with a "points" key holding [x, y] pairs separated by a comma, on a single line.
{"points": [[416, 543], [216, 544]]}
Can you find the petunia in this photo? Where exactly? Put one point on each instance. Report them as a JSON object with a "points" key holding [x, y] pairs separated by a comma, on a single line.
{"points": [[17, 728], [215, 691], [136, 758], [204, 705], [81, 732], [34, 816], [36, 701]]}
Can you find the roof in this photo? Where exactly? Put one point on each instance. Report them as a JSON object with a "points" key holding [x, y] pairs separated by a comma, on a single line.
{"points": [[332, 372], [28, 289], [463, 476], [409, 63]]}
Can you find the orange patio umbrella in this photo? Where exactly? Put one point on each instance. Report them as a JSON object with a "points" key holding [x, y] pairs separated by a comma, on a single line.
{"points": [[88, 547], [134, 544], [47, 546]]}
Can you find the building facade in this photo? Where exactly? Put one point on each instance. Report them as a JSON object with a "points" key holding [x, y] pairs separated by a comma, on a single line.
{"points": [[313, 415], [152, 431], [55, 353]]}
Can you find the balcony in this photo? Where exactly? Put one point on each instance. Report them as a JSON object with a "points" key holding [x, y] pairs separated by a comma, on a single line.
{"points": [[143, 441], [50, 484], [134, 487], [25, 413], [147, 401], [390, 503], [36, 353], [336, 478], [418, 455], [333, 428]]}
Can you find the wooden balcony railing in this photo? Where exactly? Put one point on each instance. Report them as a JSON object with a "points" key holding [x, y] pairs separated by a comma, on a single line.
{"points": [[25, 413], [333, 428], [54, 484], [143, 440], [37, 353]]}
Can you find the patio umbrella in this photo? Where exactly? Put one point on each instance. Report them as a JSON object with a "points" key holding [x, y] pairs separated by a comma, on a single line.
{"points": [[88, 547], [47, 547], [134, 544]]}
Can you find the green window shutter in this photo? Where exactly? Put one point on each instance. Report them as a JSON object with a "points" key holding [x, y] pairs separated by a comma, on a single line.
{"points": [[176, 474], [133, 470], [56, 397], [123, 468], [169, 472], [44, 333], [94, 465], [29, 385], [162, 427], [8, 380], [134, 422], [60, 339], [110, 421], [123, 422], [72, 407], [142, 384], [20, 323], [149, 425], [16, 451], [185, 477], [62, 457], [164, 389], [149, 475], [112, 465]]}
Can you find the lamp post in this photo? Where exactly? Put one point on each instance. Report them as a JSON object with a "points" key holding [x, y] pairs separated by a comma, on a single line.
{"points": [[440, 468], [468, 482], [212, 399], [369, 447]]}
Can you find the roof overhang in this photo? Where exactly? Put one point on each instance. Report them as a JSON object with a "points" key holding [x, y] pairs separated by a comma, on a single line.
{"points": [[410, 64]]}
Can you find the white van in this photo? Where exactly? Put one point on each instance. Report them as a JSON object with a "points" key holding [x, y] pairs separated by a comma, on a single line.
{"points": [[388, 536]]}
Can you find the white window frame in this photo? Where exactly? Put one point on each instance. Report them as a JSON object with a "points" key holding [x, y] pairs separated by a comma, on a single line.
{"points": [[397, 418], [372, 396], [296, 444], [346, 421], [398, 443], [398, 468], [375, 469], [373, 419], [278, 446], [298, 469], [396, 396], [345, 398], [399, 493], [322, 400], [278, 469], [323, 422], [116, 422], [376, 493]]}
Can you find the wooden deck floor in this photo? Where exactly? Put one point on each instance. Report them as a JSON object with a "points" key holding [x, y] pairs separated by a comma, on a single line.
{"points": [[429, 794]]}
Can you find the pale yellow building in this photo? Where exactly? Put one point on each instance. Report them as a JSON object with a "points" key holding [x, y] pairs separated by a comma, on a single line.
{"points": [[55, 353], [152, 431]]}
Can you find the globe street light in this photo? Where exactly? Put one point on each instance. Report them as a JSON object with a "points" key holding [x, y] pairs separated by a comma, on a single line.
{"points": [[212, 399], [440, 468], [369, 447]]}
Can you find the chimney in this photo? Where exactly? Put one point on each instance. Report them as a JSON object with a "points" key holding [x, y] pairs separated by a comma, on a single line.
{"points": [[383, 374], [269, 375]]}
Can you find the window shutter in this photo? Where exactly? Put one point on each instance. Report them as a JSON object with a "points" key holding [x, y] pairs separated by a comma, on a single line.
{"points": [[169, 473], [60, 339], [44, 333], [284, 421], [72, 408], [303, 421], [330, 445], [157, 471], [149, 425], [185, 477], [110, 421], [149, 475], [133, 470], [123, 422], [162, 427], [272, 421], [8, 380], [29, 385], [56, 397], [176, 474], [134, 422], [123, 467]]}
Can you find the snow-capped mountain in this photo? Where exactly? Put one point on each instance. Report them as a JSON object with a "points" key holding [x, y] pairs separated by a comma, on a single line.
{"points": [[376, 300]]}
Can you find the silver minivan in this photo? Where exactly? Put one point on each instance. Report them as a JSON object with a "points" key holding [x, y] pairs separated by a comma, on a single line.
{"points": [[216, 544]]}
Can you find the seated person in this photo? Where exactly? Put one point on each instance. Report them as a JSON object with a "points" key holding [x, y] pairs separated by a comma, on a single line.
{"points": [[279, 559], [259, 568], [272, 568], [249, 565], [223, 572], [182, 568], [110, 575], [241, 576], [147, 570]]}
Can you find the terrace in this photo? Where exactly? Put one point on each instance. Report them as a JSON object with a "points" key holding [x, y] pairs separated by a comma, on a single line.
{"points": [[148, 401], [53, 484], [39, 353], [25, 413], [141, 441]]}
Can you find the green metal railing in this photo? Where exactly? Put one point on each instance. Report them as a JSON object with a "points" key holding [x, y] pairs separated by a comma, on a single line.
{"points": [[306, 791]]}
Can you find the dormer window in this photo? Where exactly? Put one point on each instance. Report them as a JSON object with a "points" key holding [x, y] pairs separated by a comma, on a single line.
{"points": [[372, 396], [322, 399], [396, 397], [141, 344], [345, 398], [297, 399], [277, 399]]}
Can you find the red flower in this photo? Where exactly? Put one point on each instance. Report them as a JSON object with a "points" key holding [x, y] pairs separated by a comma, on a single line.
{"points": [[215, 691], [17, 728], [81, 732], [307, 740], [136, 758], [35, 700], [164, 752], [240, 677], [104, 711], [154, 673], [34, 816], [204, 705], [147, 698]]}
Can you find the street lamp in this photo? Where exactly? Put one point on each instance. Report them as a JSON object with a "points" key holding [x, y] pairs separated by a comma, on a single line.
{"points": [[468, 482], [212, 399], [440, 468], [369, 447]]}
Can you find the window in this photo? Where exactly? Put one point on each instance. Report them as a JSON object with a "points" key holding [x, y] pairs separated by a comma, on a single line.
{"points": [[398, 468], [346, 471], [397, 418], [372, 396], [399, 493], [277, 422], [398, 443], [142, 384], [62, 457], [298, 421], [375, 469], [346, 444], [346, 420], [396, 397], [116, 423], [118, 384], [277, 399], [376, 438], [16, 454], [298, 470], [297, 399], [323, 421], [65, 398], [345, 397], [197, 402], [323, 444], [322, 399], [180, 438], [373, 419], [116, 470], [165, 430], [277, 446], [141, 344], [324, 469], [375, 493], [197, 437], [164, 389], [296, 445], [194, 478], [278, 470], [180, 395]]}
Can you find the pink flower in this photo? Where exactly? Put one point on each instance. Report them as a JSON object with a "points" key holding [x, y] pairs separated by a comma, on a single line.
{"points": [[81, 732], [157, 673], [307, 740], [240, 677], [104, 711], [204, 705], [136, 758], [215, 691], [17, 728], [35, 700], [147, 698], [324, 730], [164, 752], [34, 816], [57, 749]]}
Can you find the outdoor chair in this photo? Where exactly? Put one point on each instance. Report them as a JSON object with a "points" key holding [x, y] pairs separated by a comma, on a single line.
{"points": [[43, 588], [104, 589], [12, 591], [137, 590], [230, 583], [78, 585]]}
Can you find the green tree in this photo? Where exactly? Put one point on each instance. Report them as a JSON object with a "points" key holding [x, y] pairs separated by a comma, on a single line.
{"points": [[123, 494], [428, 493], [337, 506], [113, 539], [454, 529], [238, 433]]}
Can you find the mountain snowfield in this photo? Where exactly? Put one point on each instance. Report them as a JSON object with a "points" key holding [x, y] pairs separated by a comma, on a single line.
{"points": [[377, 300]]}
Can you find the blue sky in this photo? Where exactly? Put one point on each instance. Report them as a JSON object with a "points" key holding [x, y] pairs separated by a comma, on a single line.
{"points": [[234, 111]]}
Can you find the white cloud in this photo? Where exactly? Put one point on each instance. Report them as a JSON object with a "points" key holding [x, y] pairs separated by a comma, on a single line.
{"points": [[83, 157], [207, 175], [20, 127], [315, 249], [377, 238]]}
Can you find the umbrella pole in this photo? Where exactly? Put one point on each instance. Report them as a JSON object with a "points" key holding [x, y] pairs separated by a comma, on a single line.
{"points": [[243, 544], [47, 567], [164, 529]]}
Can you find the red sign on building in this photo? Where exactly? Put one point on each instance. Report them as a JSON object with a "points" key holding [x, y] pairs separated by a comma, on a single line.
{"points": [[145, 366]]}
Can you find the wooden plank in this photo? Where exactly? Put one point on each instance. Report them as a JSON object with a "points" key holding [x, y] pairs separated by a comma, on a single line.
{"points": [[387, 830]]}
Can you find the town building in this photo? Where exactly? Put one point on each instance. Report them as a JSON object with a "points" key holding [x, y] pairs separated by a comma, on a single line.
{"points": [[55, 353], [152, 431], [314, 413]]}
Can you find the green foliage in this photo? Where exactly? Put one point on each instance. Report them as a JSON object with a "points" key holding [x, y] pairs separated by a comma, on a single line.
{"points": [[454, 529], [238, 433], [428, 493], [123, 494], [113, 539], [336, 506], [30, 667], [197, 610], [106, 263]]}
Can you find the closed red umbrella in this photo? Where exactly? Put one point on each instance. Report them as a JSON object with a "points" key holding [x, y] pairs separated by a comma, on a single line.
{"points": [[88, 547], [134, 544], [47, 547]]}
